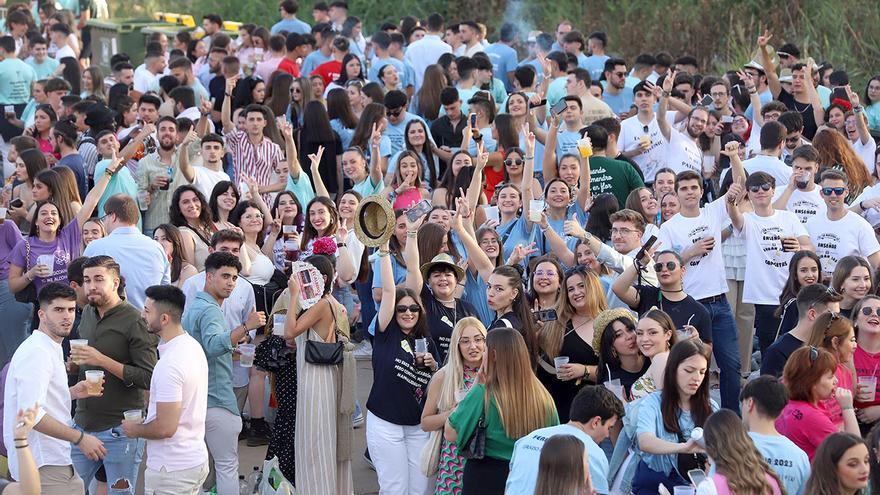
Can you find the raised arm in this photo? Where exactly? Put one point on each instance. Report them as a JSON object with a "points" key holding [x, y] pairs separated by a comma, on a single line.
{"points": [[861, 121], [584, 195], [134, 143], [414, 280], [663, 95], [317, 181], [812, 93], [475, 188], [732, 197], [731, 150], [345, 269], [226, 111], [186, 168], [386, 305], [550, 165], [202, 125], [767, 63], [375, 156], [91, 200], [293, 165], [476, 257]]}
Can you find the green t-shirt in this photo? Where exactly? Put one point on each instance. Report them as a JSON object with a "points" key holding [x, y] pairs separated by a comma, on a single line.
{"points": [[16, 78], [614, 176], [45, 70], [465, 418]]}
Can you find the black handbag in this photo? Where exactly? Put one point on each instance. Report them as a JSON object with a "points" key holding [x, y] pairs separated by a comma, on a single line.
{"points": [[326, 353], [28, 295], [688, 462], [476, 446]]}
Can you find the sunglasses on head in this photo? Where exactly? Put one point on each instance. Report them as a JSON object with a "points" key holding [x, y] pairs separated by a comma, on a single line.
{"points": [[670, 265], [412, 308], [765, 187], [868, 311], [836, 191], [511, 161]]}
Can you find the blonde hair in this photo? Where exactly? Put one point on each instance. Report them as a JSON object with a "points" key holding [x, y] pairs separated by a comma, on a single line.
{"points": [[523, 403], [553, 333], [736, 457], [453, 370]]}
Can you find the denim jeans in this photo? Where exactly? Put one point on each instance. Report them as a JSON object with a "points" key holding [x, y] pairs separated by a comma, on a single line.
{"points": [[122, 461], [725, 347], [766, 325]]}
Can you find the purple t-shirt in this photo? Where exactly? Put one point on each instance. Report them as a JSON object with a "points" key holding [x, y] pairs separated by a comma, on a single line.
{"points": [[9, 237], [67, 246]]}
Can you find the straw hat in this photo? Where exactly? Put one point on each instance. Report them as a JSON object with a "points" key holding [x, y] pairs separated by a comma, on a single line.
{"points": [[442, 259], [604, 318], [374, 221]]}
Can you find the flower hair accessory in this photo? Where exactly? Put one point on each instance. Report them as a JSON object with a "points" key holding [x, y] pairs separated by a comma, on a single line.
{"points": [[325, 246], [847, 106]]}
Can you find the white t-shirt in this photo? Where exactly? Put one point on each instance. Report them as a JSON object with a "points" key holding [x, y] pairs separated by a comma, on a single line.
{"points": [[180, 375], [833, 240], [704, 276], [767, 269], [804, 204], [872, 215], [65, 52], [771, 165], [683, 153], [206, 179], [866, 152], [631, 132]]}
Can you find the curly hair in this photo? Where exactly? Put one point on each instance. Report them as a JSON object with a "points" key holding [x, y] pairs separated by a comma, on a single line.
{"points": [[835, 151], [736, 456]]}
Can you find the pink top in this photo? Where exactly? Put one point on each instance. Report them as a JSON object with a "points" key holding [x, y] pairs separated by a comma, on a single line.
{"points": [[721, 487], [831, 406], [866, 364], [805, 424], [407, 198]]}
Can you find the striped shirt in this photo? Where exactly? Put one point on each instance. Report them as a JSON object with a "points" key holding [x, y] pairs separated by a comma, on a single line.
{"points": [[253, 161]]}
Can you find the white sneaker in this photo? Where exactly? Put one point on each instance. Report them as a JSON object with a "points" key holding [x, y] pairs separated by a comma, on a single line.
{"points": [[364, 351]]}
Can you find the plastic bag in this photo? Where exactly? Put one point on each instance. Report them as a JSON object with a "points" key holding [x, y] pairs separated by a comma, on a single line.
{"points": [[274, 482]]}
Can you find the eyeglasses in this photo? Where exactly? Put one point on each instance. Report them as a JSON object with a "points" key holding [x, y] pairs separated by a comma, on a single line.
{"points": [[619, 74], [393, 113], [670, 265], [623, 231], [479, 339], [412, 308], [836, 191], [867, 311], [545, 273], [512, 161], [763, 187], [717, 95]]}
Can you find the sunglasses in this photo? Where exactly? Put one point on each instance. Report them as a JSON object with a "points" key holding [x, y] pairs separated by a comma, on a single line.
{"points": [[836, 191], [834, 317], [867, 311], [763, 187], [670, 265], [412, 308], [512, 161], [393, 113], [619, 74]]}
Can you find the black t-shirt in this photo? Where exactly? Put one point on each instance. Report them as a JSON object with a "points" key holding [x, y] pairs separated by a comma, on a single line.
{"points": [[399, 387], [217, 91], [441, 320], [627, 378], [805, 109], [579, 352], [777, 354], [790, 316], [680, 311]]}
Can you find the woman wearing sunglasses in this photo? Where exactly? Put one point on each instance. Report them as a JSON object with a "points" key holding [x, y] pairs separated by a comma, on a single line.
{"points": [[404, 358], [835, 334], [514, 166], [810, 377], [866, 359]]}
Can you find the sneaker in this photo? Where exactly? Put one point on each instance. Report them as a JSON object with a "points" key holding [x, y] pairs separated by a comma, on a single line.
{"points": [[357, 417], [258, 434], [369, 461], [364, 351]]}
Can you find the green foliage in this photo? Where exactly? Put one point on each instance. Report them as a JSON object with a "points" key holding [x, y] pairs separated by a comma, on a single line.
{"points": [[721, 34]]}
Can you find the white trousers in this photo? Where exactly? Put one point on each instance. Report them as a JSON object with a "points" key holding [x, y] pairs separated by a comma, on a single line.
{"points": [[395, 451]]}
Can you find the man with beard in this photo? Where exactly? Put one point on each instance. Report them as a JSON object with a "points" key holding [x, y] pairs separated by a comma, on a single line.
{"points": [[204, 320], [177, 460], [118, 345], [37, 376], [683, 148], [616, 95], [160, 173]]}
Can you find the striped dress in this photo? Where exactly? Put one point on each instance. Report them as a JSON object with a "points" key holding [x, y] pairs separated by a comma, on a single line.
{"points": [[451, 464]]}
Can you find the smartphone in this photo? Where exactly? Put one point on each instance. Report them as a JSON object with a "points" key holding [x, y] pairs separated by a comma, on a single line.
{"points": [[646, 247], [541, 104], [16, 203], [546, 315], [419, 210], [473, 121], [560, 107], [706, 101], [726, 119], [696, 476]]}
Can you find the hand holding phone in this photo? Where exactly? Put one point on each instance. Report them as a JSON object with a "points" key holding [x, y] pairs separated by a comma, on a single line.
{"points": [[560, 107]]}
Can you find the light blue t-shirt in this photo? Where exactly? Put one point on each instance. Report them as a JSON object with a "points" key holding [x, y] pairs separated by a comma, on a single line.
{"points": [[345, 134], [490, 144], [566, 143], [301, 188], [619, 103], [475, 293], [789, 462], [650, 420], [378, 63], [582, 60], [44, 70], [513, 233], [503, 59], [765, 98], [291, 26], [122, 182], [527, 451], [16, 78], [539, 71], [367, 188], [313, 60], [596, 65]]}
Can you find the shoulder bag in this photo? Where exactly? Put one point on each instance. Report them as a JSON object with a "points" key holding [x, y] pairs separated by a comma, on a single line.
{"points": [[476, 446], [326, 353], [29, 293]]}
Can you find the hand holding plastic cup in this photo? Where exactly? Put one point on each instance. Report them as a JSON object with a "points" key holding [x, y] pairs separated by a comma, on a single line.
{"points": [[559, 362], [134, 415], [278, 321], [536, 207], [616, 387], [247, 355], [585, 147], [95, 381], [47, 260], [867, 388]]}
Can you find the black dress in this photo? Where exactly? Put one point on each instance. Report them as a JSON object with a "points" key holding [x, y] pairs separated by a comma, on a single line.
{"points": [[563, 392]]}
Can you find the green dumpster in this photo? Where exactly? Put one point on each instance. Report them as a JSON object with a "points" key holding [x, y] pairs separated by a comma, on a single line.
{"points": [[112, 36]]}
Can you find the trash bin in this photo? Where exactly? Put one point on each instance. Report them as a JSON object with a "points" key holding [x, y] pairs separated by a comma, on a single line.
{"points": [[112, 36], [168, 30]]}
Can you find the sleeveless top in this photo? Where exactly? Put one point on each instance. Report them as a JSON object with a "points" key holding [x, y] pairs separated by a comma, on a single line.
{"points": [[201, 250]]}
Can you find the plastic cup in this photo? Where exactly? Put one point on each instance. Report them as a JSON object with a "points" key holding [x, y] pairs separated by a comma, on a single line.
{"points": [[143, 200], [78, 342], [536, 207], [585, 148], [46, 259], [708, 163], [9, 109], [870, 383], [2, 213], [94, 378], [559, 361], [247, 355], [645, 140], [616, 388], [684, 490], [278, 324], [682, 334], [134, 415], [421, 346]]}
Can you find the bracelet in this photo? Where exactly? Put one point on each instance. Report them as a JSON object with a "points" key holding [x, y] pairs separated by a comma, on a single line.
{"points": [[81, 435], [384, 253], [847, 408], [341, 244], [20, 439], [529, 157], [858, 109], [21, 446], [665, 93]]}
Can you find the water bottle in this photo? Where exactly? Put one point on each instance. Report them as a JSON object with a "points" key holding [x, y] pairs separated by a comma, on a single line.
{"points": [[253, 480], [243, 486]]}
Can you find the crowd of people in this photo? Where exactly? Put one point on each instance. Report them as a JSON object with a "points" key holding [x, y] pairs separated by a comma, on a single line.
{"points": [[570, 273]]}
